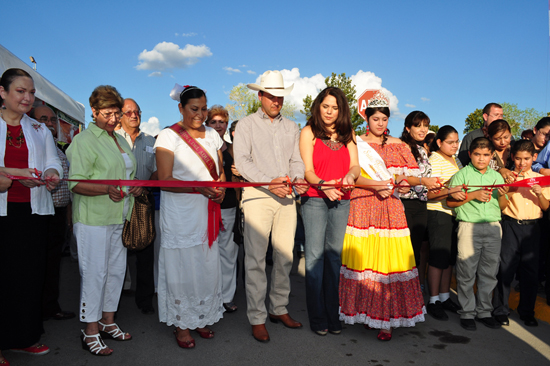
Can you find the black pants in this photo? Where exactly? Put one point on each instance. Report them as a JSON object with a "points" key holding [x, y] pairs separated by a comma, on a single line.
{"points": [[145, 281], [520, 248], [57, 228], [416, 213], [22, 267]]}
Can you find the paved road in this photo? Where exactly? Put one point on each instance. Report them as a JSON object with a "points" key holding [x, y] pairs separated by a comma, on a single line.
{"points": [[429, 343]]}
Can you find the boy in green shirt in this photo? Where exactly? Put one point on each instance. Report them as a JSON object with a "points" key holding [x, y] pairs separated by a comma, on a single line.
{"points": [[479, 235]]}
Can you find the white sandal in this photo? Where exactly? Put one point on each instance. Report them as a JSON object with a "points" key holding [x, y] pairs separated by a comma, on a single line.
{"points": [[94, 347], [115, 334]]}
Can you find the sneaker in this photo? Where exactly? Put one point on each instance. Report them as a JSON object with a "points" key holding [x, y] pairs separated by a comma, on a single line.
{"points": [[489, 322], [468, 324], [436, 311], [451, 306]]}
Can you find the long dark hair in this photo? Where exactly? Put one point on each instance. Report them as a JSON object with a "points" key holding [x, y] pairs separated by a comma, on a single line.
{"points": [[9, 76], [441, 135], [342, 125], [369, 112], [190, 92], [414, 119]]}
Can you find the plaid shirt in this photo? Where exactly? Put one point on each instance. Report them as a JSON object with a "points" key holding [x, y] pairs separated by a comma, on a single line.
{"points": [[61, 195]]}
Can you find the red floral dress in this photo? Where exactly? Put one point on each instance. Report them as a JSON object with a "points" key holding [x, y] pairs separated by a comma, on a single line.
{"points": [[378, 279]]}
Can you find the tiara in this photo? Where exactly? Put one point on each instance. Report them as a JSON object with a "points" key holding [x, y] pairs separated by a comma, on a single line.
{"points": [[379, 100]]}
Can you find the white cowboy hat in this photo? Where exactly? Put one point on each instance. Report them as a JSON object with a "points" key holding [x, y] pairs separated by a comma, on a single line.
{"points": [[272, 82]]}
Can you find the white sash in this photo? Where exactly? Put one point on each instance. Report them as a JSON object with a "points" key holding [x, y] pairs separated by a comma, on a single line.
{"points": [[371, 162]]}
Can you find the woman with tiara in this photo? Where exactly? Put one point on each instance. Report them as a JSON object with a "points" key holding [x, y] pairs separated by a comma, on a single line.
{"points": [[379, 281]]}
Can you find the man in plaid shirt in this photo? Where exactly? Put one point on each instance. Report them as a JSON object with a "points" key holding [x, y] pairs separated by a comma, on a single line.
{"points": [[57, 226]]}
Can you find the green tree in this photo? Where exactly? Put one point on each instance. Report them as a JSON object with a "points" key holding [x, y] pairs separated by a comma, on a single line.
{"points": [[520, 119], [474, 121], [434, 128], [344, 83], [245, 102]]}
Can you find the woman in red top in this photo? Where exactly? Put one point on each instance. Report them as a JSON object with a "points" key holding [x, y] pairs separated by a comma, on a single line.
{"points": [[329, 152]]}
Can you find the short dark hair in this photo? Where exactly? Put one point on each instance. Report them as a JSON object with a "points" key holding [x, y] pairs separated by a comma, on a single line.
{"points": [[9, 76], [543, 122], [441, 135], [523, 145], [526, 133], [487, 108], [342, 125], [497, 126], [190, 92], [482, 143]]}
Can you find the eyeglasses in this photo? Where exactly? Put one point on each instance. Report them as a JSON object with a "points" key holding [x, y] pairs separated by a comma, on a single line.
{"points": [[130, 113], [45, 119], [108, 116], [456, 143], [546, 135]]}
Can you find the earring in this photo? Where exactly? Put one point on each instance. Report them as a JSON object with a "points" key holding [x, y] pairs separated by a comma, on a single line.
{"points": [[367, 131], [386, 131]]}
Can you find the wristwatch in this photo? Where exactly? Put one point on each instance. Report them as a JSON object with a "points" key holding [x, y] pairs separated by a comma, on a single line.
{"points": [[319, 186]]}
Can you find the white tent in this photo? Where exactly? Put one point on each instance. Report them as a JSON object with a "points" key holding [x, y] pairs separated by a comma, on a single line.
{"points": [[45, 90]]}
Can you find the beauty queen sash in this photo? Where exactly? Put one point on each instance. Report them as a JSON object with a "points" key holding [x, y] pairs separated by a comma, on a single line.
{"points": [[371, 162], [214, 210]]}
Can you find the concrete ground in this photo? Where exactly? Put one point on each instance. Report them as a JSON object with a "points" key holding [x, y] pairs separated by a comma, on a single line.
{"points": [[430, 343]]}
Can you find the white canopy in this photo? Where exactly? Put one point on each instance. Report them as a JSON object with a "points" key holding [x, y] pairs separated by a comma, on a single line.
{"points": [[45, 90]]}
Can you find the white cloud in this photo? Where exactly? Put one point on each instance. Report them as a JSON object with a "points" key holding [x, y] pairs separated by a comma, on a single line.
{"points": [[243, 66], [231, 70], [152, 126], [303, 86], [168, 55], [191, 34], [424, 99], [251, 72], [410, 105], [155, 74]]}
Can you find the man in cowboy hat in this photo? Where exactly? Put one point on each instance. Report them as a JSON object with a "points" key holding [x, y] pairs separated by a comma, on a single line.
{"points": [[266, 150]]}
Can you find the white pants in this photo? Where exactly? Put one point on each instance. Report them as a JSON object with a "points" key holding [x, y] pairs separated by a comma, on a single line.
{"points": [[102, 264], [229, 251]]}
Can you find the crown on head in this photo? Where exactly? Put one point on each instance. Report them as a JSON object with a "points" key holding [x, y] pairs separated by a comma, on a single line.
{"points": [[379, 100]]}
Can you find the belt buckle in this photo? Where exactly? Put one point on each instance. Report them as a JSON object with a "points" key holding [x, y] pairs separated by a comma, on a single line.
{"points": [[520, 222]]}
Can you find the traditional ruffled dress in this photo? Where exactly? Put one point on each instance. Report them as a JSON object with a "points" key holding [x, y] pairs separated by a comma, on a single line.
{"points": [[378, 280]]}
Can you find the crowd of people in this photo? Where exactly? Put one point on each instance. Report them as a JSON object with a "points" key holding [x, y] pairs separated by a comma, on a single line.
{"points": [[381, 215]]}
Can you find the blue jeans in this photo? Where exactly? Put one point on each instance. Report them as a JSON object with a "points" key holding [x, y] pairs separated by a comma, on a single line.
{"points": [[325, 226]]}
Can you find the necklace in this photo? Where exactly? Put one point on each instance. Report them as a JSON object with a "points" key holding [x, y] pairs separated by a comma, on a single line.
{"points": [[20, 139]]}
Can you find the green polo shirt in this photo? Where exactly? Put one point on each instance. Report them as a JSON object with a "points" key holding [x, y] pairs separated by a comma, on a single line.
{"points": [[93, 154], [474, 210]]}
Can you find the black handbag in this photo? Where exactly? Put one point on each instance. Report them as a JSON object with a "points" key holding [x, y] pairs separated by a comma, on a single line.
{"points": [[139, 232]]}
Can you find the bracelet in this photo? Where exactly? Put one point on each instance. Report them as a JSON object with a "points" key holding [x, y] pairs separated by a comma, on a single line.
{"points": [[320, 182], [194, 190], [420, 180]]}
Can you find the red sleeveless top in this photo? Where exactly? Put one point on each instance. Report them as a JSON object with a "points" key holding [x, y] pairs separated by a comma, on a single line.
{"points": [[330, 161]]}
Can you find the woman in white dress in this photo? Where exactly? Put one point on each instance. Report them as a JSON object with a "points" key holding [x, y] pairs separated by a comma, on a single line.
{"points": [[189, 286]]}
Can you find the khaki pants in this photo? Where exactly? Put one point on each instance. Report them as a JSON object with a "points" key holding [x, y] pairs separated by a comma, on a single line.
{"points": [[478, 254], [264, 213]]}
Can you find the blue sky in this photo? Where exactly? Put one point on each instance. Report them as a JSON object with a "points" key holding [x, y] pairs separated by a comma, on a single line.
{"points": [[444, 58]]}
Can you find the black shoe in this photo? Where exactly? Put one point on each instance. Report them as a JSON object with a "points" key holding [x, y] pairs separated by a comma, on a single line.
{"points": [[451, 306], [489, 322], [529, 321], [502, 319], [147, 309], [468, 324], [436, 311]]}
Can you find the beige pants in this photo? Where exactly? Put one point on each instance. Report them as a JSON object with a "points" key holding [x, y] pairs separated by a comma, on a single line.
{"points": [[264, 213], [478, 256]]}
